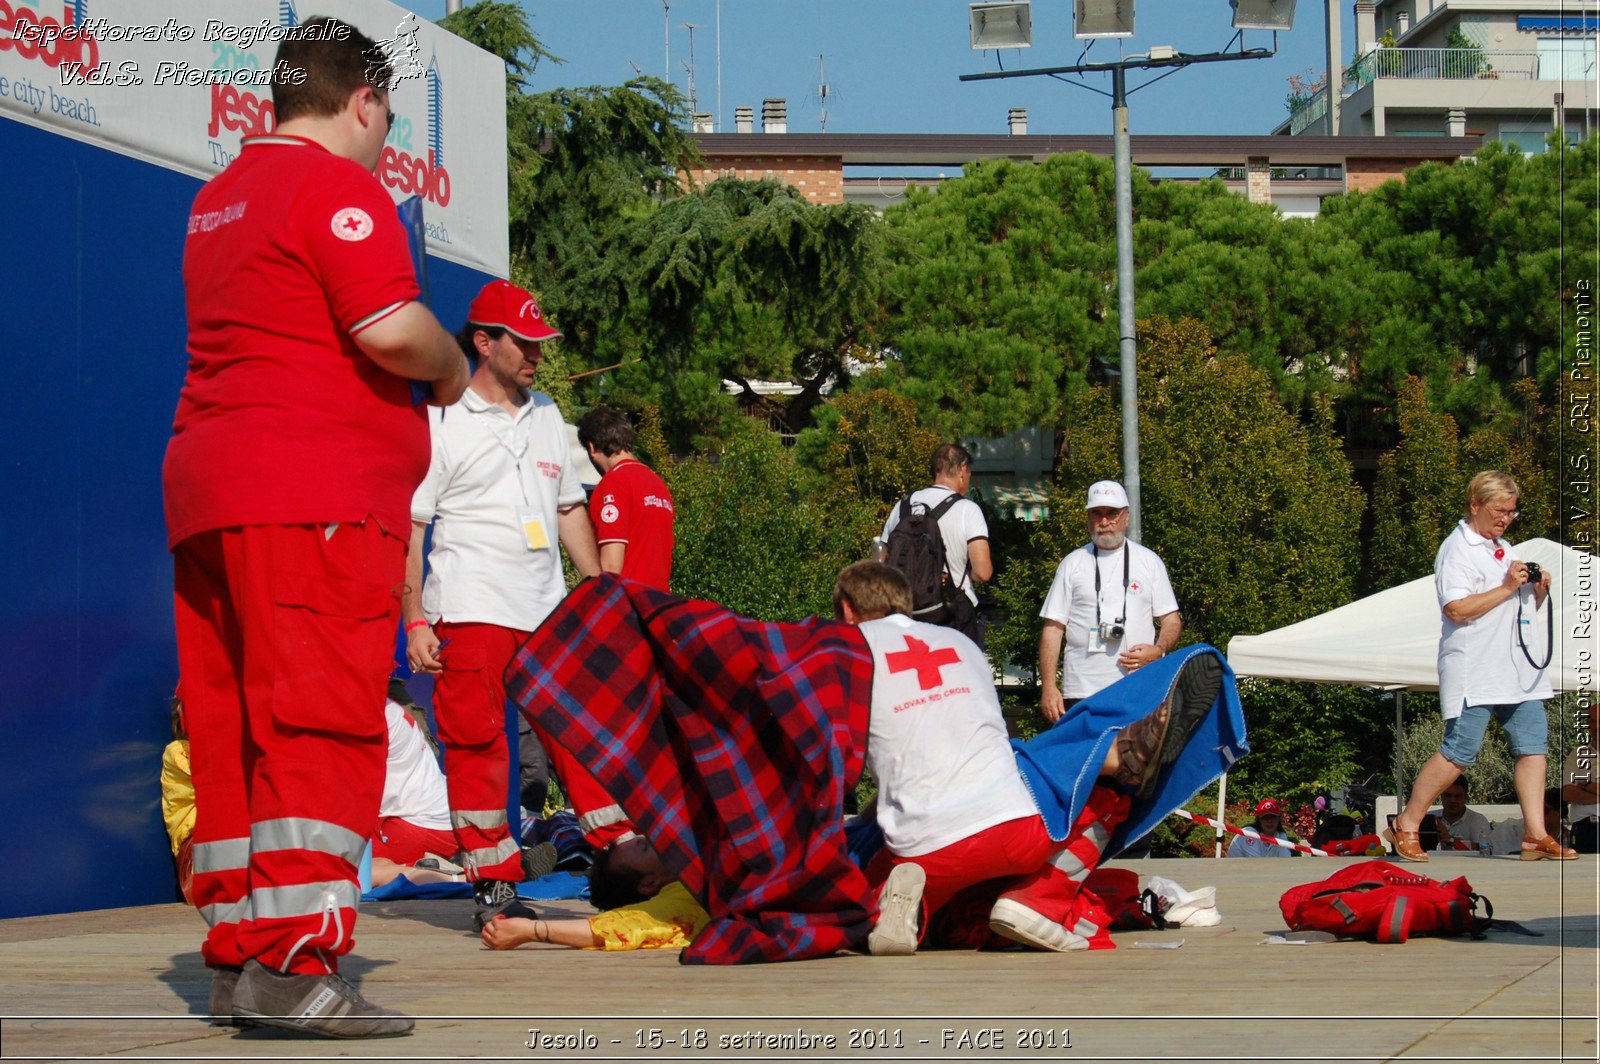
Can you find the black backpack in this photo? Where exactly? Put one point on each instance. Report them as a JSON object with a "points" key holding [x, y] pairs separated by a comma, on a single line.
{"points": [[917, 550]]}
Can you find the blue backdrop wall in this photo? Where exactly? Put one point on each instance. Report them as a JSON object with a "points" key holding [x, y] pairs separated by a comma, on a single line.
{"points": [[92, 336]]}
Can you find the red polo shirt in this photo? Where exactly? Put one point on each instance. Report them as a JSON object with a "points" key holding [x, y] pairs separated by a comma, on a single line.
{"points": [[282, 419], [632, 506]]}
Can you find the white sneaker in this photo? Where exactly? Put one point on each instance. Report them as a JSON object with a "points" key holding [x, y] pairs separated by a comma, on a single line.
{"points": [[1014, 920], [899, 904]]}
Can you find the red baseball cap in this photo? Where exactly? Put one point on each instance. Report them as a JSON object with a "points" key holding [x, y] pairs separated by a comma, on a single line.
{"points": [[503, 305], [1269, 807]]}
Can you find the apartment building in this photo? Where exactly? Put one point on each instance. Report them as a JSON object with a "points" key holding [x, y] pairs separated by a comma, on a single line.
{"points": [[1510, 70]]}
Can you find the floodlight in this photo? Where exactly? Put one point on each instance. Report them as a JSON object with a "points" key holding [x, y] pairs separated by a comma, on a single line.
{"points": [[1263, 14], [1102, 18], [1008, 25]]}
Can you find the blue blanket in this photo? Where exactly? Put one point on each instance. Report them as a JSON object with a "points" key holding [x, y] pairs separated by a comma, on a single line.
{"points": [[1060, 765]]}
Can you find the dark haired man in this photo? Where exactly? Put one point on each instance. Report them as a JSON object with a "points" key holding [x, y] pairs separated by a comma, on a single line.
{"points": [[962, 529], [295, 450], [631, 507], [500, 491]]}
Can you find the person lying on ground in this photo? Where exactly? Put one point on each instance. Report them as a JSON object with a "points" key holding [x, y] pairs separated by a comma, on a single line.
{"points": [[643, 907]]}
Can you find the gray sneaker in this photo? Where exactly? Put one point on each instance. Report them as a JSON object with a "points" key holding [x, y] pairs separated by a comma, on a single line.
{"points": [[324, 1006], [220, 1010], [899, 905]]}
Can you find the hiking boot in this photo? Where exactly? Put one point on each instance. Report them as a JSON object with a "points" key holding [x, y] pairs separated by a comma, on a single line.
{"points": [[538, 861], [1155, 740], [497, 897], [894, 933], [1011, 919], [324, 1006], [223, 979]]}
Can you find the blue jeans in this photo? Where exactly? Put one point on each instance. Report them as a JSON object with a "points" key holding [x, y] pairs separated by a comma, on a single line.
{"points": [[1525, 723]]}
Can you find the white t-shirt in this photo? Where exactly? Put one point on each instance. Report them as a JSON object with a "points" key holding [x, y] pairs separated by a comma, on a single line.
{"points": [[1480, 662], [1473, 827], [1090, 662], [960, 525], [936, 741], [413, 786], [491, 471]]}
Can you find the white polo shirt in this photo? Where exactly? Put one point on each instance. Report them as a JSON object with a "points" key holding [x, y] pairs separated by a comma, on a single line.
{"points": [[413, 786], [936, 741], [1090, 664], [489, 469], [1480, 661], [960, 525]]}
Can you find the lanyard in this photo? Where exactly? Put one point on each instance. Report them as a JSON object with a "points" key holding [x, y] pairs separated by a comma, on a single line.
{"points": [[1095, 554]]}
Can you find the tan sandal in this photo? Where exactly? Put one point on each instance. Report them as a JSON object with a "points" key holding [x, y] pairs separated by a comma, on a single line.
{"points": [[1546, 849], [1407, 845]]}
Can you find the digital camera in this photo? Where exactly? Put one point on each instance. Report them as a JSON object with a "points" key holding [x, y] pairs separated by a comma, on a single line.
{"points": [[1115, 630], [1535, 573]]}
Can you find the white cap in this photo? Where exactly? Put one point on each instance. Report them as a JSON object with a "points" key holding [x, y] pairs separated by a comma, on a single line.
{"points": [[1107, 493]]}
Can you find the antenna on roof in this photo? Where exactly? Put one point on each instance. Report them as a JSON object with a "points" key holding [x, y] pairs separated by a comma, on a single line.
{"points": [[822, 89]]}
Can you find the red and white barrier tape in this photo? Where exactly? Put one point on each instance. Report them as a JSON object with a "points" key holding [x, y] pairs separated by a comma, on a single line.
{"points": [[1250, 833]]}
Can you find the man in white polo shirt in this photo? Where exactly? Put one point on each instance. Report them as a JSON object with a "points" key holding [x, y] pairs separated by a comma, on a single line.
{"points": [[1107, 601], [500, 492]]}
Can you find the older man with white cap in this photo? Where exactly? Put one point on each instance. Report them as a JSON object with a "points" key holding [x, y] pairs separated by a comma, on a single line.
{"points": [[501, 491], [1107, 601]]}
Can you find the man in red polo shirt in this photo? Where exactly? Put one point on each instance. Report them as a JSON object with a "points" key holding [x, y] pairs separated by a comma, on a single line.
{"points": [[631, 506], [287, 481]]}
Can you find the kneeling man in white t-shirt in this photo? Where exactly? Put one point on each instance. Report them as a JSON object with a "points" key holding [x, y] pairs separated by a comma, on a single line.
{"points": [[952, 804]]}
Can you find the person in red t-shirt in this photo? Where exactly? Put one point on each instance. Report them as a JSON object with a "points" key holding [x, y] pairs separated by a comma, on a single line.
{"points": [[287, 485], [631, 506]]}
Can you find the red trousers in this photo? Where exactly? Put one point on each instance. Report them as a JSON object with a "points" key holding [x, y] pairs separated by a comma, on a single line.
{"points": [[600, 818], [405, 843], [285, 644], [469, 705], [1019, 861]]}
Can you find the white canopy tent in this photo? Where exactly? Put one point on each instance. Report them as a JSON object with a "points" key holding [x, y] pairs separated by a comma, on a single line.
{"points": [[1391, 639]]}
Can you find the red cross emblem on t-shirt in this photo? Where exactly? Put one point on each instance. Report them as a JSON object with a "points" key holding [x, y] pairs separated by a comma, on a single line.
{"points": [[928, 663]]}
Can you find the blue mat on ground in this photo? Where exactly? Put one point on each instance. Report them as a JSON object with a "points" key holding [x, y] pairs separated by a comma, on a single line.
{"points": [[556, 886]]}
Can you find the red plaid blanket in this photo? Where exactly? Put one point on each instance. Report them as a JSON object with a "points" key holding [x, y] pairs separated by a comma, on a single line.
{"points": [[730, 742]]}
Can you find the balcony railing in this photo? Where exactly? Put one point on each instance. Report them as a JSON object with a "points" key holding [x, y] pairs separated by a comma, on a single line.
{"points": [[1314, 110], [1446, 63]]}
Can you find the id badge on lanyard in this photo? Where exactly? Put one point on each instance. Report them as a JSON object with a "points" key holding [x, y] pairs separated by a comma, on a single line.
{"points": [[531, 521]]}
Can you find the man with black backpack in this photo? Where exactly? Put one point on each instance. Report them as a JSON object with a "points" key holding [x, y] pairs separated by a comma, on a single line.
{"points": [[939, 539]]}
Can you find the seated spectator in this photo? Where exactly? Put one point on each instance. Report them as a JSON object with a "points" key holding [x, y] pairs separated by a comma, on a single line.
{"points": [[643, 907], [1269, 825], [414, 815], [1459, 828], [1581, 790]]}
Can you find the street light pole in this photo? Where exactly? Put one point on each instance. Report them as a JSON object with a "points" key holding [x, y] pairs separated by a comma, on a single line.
{"points": [[1122, 165]]}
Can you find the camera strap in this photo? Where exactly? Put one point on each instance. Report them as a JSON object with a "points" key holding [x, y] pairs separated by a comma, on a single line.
{"points": [[1549, 632], [1095, 554]]}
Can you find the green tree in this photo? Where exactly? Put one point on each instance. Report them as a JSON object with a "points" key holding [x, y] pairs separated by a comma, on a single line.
{"points": [[1002, 290], [1254, 513], [745, 281], [1418, 495], [750, 535]]}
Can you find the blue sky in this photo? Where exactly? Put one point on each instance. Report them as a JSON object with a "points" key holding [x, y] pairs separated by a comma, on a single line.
{"points": [[892, 65]]}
